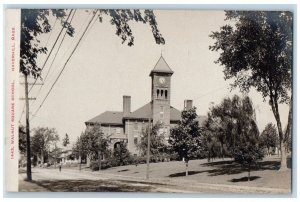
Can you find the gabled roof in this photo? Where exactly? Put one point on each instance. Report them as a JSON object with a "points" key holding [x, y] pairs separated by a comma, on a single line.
{"points": [[108, 117], [161, 67], [145, 112]]}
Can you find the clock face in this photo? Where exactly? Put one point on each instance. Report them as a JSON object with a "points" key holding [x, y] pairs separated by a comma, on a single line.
{"points": [[162, 80]]}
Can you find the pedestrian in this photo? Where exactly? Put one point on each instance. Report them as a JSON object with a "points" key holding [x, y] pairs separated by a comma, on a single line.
{"points": [[59, 167]]}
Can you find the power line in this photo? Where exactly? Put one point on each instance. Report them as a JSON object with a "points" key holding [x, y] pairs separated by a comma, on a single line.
{"points": [[51, 32], [65, 63], [51, 49], [54, 58]]}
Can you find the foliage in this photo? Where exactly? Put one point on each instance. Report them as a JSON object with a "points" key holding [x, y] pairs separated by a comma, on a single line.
{"points": [[90, 142], [157, 141], [122, 155], [210, 144], [248, 151], [35, 22], [66, 140], [235, 119], [42, 141], [222, 125], [257, 52], [269, 137], [22, 140], [185, 139]]}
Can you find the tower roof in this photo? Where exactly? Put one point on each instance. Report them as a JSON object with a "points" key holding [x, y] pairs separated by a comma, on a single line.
{"points": [[161, 67]]}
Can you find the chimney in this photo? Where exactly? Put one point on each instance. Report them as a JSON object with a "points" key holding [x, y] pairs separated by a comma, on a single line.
{"points": [[188, 104], [126, 105]]}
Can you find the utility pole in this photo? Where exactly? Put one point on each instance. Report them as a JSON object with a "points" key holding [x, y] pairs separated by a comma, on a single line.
{"points": [[28, 152], [148, 150]]}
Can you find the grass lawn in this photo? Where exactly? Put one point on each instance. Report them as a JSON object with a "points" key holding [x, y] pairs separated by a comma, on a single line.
{"points": [[265, 174]]}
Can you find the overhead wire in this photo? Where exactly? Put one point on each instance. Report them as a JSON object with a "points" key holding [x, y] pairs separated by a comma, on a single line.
{"points": [[64, 66]]}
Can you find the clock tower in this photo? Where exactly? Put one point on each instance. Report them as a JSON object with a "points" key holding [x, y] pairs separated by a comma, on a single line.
{"points": [[161, 93]]}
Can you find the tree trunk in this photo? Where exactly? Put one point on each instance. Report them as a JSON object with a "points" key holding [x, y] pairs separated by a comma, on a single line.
{"points": [[288, 132], [222, 151], [99, 159], [88, 160], [274, 105], [186, 169], [79, 160], [283, 165], [42, 157]]}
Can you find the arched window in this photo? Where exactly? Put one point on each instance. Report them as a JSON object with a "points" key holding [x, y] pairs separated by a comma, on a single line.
{"points": [[161, 93], [157, 93], [166, 94]]}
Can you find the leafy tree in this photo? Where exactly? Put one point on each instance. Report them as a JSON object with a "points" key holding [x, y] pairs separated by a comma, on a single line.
{"points": [[235, 118], [157, 141], [42, 141], [121, 154], [257, 52], [185, 138], [222, 123], [269, 137], [35, 22], [66, 140], [90, 142], [22, 139], [248, 151], [210, 145]]}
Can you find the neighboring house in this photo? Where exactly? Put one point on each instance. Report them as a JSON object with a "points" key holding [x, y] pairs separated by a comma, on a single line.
{"points": [[128, 126]]}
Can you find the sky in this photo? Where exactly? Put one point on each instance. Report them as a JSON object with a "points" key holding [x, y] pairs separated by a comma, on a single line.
{"points": [[103, 69]]}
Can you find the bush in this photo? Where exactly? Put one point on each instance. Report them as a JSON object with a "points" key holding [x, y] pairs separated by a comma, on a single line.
{"points": [[140, 159]]}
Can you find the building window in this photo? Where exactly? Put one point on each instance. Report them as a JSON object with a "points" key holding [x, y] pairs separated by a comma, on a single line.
{"points": [[166, 94], [161, 93], [135, 140], [157, 93]]}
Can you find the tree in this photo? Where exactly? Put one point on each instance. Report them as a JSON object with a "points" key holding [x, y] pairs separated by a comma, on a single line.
{"points": [[35, 22], [222, 123], [235, 118], [22, 139], [185, 138], [210, 144], [121, 154], [257, 52], [42, 141], [157, 141], [247, 151], [269, 137], [92, 141], [66, 140]]}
